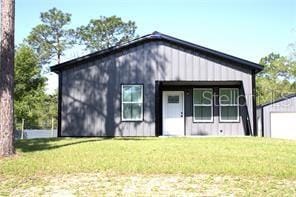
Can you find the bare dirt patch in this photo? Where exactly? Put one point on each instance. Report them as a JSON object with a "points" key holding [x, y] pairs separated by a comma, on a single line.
{"points": [[93, 184]]}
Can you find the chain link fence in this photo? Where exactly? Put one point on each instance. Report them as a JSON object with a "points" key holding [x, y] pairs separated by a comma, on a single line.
{"points": [[26, 129]]}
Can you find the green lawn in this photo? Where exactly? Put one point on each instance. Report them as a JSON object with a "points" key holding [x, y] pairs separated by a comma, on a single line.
{"points": [[243, 162]]}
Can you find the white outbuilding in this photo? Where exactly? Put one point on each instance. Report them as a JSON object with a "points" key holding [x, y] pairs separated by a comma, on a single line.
{"points": [[278, 118]]}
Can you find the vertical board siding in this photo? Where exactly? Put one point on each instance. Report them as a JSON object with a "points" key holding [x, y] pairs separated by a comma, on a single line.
{"points": [[91, 100], [288, 105]]}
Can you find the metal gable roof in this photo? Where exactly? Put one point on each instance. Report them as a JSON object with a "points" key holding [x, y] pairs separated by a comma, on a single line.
{"points": [[279, 100], [156, 36]]}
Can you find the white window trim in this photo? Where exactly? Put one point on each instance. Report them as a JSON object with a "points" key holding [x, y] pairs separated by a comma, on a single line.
{"points": [[127, 102], [228, 105], [200, 105]]}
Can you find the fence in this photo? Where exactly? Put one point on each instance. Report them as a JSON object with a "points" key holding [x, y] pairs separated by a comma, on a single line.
{"points": [[27, 130], [36, 123], [35, 133]]}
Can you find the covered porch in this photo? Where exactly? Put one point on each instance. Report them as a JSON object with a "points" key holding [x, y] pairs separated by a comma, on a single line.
{"points": [[201, 108]]}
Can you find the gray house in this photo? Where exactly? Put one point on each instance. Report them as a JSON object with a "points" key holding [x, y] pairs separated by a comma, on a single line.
{"points": [[157, 85], [277, 119]]}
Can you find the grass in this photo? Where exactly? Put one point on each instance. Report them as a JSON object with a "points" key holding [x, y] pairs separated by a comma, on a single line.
{"points": [[258, 159]]}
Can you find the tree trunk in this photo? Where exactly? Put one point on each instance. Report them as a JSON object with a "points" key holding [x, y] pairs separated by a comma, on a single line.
{"points": [[58, 48], [59, 57], [7, 77]]}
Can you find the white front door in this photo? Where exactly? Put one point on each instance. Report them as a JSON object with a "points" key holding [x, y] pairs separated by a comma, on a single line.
{"points": [[173, 113]]}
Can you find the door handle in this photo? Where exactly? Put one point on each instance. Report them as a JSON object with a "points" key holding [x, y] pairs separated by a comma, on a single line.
{"points": [[181, 114]]}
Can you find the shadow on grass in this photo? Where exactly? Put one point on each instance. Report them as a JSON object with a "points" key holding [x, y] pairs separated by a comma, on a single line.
{"points": [[33, 145]]}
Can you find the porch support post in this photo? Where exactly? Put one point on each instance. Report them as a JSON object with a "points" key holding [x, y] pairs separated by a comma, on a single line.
{"points": [[254, 104], [158, 109]]}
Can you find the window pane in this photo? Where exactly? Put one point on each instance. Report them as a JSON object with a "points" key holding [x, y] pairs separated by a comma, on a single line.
{"points": [[202, 113], [127, 111], [228, 96], [229, 113], [173, 99], [136, 111], [136, 92], [132, 93], [132, 111], [126, 94], [202, 96]]}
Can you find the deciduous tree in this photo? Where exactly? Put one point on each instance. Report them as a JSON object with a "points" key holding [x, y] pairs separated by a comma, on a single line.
{"points": [[277, 79], [29, 86]]}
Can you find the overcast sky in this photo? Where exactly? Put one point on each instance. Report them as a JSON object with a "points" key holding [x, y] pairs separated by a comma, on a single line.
{"points": [[248, 29]]}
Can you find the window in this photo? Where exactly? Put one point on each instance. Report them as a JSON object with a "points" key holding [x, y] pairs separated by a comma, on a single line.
{"points": [[132, 103], [173, 99], [229, 104], [202, 105]]}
